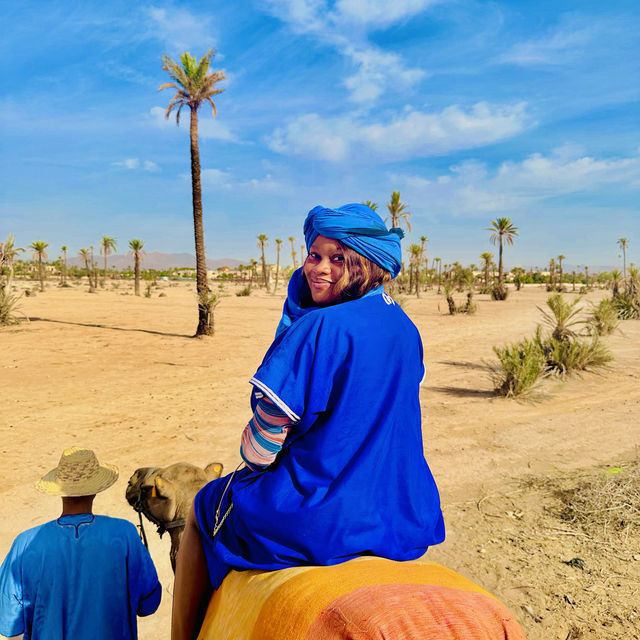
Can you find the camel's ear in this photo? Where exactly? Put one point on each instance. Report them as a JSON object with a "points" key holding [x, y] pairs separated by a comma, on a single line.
{"points": [[213, 470], [162, 488]]}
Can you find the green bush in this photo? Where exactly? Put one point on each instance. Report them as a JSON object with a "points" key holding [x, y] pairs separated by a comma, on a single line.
{"points": [[603, 319], [567, 356], [8, 307], [627, 307], [499, 292], [520, 368], [246, 291]]}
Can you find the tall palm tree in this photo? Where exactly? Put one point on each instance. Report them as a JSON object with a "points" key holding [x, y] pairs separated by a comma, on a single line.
{"points": [[424, 258], [561, 257], [86, 258], [398, 211], [195, 85], [262, 243], [64, 249], [136, 248], [371, 205], [107, 245], [503, 231], [278, 243], [415, 250], [439, 261], [487, 259], [8, 254], [624, 244], [38, 247], [293, 252]]}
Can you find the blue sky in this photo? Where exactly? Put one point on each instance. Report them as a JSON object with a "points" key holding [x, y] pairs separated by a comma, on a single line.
{"points": [[471, 109]]}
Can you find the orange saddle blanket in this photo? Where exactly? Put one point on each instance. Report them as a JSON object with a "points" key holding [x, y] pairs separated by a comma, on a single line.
{"points": [[364, 599]]}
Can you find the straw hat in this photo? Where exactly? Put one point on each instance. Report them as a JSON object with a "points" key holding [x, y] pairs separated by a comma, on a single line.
{"points": [[78, 474]]}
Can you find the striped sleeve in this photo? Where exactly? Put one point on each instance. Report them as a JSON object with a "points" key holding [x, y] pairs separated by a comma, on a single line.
{"points": [[265, 434]]}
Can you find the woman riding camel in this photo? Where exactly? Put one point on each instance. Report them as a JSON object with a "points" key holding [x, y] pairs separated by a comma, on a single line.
{"points": [[334, 464]]}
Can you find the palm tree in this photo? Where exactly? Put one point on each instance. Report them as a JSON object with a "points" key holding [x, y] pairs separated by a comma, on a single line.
{"points": [[293, 252], [278, 243], [262, 243], [624, 244], [195, 85], [371, 205], [64, 249], [415, 250], [487, 259], [586, 275], [398, 210], [8, 253], [107, 245], [136, 247], [86, 257], [424, 258], [38, 247], [439, 261], [503, 231], [561, 257], [616, 278]]}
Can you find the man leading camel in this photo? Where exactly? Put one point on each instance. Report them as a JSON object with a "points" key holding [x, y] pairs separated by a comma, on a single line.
{"points": [[81, 575]]}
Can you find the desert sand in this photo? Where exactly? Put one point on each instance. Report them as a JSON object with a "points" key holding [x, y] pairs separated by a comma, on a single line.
{"points": [[121, 374]]}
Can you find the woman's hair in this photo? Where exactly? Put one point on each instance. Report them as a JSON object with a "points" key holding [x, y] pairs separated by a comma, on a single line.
{"points": [[360, 275]]}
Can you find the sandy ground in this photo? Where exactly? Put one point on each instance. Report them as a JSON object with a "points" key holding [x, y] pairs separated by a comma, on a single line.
{"points": [[122, 375]]}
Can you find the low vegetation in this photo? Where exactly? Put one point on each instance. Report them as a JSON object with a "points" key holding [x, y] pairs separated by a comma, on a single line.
{"points": [[557, 348], [9, 313]]}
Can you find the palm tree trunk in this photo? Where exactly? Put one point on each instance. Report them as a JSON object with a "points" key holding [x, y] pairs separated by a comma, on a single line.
{"points": [[104, 275], [205, 313], [264, 271], [500, 264], [277, 269], [136, 273], [41, 272]]}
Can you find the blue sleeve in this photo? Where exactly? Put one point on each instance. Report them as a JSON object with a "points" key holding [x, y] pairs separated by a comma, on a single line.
{"points": [[301, 370], [146, 591], [11, 609]]}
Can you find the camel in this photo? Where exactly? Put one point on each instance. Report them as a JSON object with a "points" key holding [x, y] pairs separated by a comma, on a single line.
{"points": [[367, 597], [165, 494]]}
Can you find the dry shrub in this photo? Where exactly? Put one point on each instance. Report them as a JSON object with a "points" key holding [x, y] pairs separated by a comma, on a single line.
{"points": [[609, 503], [603, 319], [520, 368], [8, 307]]}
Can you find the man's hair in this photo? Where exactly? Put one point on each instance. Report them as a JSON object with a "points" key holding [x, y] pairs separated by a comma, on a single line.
{"points": [[360, 275]]}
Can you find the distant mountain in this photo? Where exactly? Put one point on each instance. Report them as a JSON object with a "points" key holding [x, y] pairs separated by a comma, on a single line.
{"points": [[156, 260]]}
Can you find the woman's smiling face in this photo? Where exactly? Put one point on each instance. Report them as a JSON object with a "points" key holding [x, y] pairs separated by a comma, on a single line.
{"points": [[323, 268]]}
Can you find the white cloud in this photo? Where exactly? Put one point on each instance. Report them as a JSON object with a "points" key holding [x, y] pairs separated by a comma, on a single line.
{"points": [[218, 179], [180, 29], [470, 189], [136, 163], [375, 70], [413, 134], [208, 126]]}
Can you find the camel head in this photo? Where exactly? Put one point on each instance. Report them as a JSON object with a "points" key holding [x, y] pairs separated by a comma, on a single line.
{"points": [[165, 495]]}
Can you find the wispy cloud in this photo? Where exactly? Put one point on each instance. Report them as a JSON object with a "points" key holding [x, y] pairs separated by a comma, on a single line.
{"points": [[136, 163], [180, 29], [216, 179], [208, 127], [375, 70], [471, 189], [564, 43], [413, 134]]}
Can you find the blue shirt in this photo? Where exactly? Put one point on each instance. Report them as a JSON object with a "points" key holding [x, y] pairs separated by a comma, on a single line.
{"points": [[80, 576], [351, 478]]}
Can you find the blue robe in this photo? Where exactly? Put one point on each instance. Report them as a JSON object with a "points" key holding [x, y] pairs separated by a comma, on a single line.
{"points": [[351, 479], [80, 576]]}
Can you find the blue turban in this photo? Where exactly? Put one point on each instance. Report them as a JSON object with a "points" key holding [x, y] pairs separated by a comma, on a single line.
{"points": [[359, 227]]}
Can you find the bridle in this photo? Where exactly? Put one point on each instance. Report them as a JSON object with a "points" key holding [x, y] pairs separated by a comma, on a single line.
{"points": [[162, 527]]}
